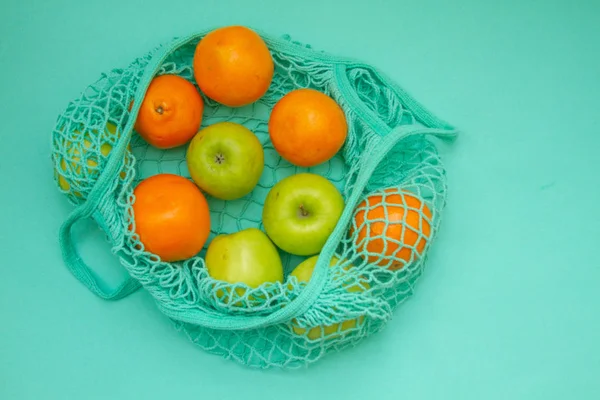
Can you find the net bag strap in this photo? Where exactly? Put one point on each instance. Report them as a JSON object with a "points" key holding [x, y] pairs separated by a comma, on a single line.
{"points": [[82, 271]]}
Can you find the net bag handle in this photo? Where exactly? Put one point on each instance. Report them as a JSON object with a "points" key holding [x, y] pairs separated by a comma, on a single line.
{"points": [[82, 271]]}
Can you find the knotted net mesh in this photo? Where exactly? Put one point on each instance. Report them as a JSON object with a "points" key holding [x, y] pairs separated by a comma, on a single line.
{"points": [[394, 186]]}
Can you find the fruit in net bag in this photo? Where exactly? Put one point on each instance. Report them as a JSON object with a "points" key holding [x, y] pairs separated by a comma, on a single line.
{"points": [[171, 112], [225, 160], [85, 155], [171, 217], [246, 256], [393, 228], [307, 127], [301, 211], [303, 273], [233, 66]]}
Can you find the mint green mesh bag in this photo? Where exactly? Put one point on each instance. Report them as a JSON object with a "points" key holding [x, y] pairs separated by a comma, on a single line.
{"points": [[99, 159]]}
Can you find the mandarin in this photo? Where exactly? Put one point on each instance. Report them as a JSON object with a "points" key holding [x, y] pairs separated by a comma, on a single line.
{"points": [[405, 233], [307, 127], [233, 66], [171, 216], [171, 112]]}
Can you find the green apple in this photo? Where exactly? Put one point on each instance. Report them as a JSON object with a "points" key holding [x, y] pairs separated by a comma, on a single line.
{"points": [[225, 160], [303, 272], [301, 211], [247, 256]]}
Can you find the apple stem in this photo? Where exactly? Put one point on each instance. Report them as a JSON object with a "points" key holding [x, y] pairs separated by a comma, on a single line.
{"points": [[303, 212]]}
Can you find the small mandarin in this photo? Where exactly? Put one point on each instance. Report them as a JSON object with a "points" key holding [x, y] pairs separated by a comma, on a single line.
{"points": [[171, 112]]}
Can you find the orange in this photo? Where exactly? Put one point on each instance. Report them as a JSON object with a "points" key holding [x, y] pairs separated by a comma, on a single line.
{"points": [[171, 217], [307, 127], [233, 66], [405, 234], [171, 112]]}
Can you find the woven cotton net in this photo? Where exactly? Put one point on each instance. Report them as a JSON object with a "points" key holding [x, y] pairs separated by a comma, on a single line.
{"points": [[388, 163]]}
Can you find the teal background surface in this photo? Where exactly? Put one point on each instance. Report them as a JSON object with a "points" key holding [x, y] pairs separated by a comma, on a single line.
{"points": [[508, 306]]}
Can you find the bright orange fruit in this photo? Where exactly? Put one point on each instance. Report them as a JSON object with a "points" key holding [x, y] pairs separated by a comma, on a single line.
{"points": [[233, 66], [307, 127], [406, 231], [171, 112], [171, 217]]}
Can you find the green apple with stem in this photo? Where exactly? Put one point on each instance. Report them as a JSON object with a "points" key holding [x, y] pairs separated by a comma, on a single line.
{"points": [[301, 211], [225, 160]]}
